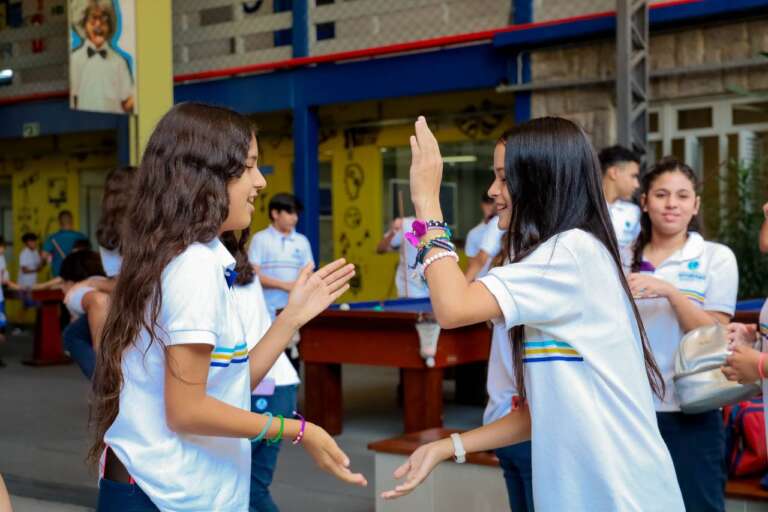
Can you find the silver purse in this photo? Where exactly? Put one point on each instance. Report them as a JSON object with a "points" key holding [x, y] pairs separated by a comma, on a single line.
{"points": [[699, 383]]}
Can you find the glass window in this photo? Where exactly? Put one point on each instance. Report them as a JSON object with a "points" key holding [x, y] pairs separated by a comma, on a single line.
{"points": [[467, 173], [750, 113], [653, 122], [694, 118]]}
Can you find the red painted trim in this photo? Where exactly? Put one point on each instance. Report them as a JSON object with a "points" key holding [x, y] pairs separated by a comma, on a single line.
{"points": [[55, 95], [423, 44]]}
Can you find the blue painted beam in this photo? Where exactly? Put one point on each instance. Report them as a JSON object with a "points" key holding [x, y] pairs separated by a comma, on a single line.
{"points": [[300, 29], [306, 174], [55, 118], [522, 12]]}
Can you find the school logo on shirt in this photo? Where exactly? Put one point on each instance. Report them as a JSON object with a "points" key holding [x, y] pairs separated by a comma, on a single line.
{"points": [[549, 350], [693, 265]]}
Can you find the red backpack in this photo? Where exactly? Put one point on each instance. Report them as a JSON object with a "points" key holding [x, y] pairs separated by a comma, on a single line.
{"points": [[745, 444]]}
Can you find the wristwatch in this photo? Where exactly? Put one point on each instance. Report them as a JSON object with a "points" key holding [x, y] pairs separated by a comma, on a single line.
{"points": [[459, 453]]}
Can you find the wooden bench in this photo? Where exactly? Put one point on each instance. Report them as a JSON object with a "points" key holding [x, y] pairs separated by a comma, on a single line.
{"points": [[479, 485]]}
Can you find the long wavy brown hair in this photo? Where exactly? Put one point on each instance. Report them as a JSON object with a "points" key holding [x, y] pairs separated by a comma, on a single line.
{"points": [[114, 206], [179, 197]]}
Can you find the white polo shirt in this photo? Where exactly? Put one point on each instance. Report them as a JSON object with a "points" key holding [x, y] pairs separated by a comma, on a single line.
{"points": [[110, 261], [30, 259], [187, 472], [491, 243], [595, 441], [407, 280], [706, 272], [279, 256], [500, 384], [625, 217], [474, 237], [256, 321]]}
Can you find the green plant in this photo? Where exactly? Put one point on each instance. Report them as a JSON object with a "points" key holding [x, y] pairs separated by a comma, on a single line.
{"points": [[740, 224]]}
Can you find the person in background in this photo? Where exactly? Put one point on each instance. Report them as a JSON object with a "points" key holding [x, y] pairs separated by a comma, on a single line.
{"points": [[621, 167], [7, 282], [278, 254], [475, 235], [407, 282], [58, 245], [30, 261]]}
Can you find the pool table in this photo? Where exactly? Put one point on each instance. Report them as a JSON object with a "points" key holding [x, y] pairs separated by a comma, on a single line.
{"points": [[384, 334]]}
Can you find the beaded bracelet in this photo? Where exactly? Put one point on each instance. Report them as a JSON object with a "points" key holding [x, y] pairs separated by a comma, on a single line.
{"points": [[300, 435], [279, 436], [264, 430], [436, 257], [431, 244]]}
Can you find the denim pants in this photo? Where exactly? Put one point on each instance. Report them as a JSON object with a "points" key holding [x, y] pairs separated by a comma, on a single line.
{"points": [[121, 497], [696, 443], [263, 457], [77, 341], [515, 460]]}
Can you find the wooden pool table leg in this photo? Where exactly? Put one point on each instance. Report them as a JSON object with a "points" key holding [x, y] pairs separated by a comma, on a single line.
{"points": [[322, 393], [422, 398]]}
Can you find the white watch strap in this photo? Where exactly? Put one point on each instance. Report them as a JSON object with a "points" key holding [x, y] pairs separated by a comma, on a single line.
{"points": [[459, 454]]}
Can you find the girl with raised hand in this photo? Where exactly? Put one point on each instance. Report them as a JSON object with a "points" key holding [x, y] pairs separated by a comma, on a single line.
{"points": [[685, 282], [580, 352], [171, 405]]}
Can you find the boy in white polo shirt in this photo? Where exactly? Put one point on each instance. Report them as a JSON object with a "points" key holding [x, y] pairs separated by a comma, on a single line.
{"points": [[408, 283], [278, 254], [621, 167]]}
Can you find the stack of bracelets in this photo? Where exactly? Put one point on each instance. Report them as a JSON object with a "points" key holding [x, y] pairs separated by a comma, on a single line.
{"points": [[424, 244], [279, 435]]}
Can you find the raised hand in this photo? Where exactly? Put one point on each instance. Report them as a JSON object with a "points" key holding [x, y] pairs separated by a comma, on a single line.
{"points": [[418, 467], [313, 293], [329, 457], [426, 172]]}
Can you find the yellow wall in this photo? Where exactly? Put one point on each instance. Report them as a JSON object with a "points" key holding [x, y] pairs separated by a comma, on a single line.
{"points": [[275, 153]]}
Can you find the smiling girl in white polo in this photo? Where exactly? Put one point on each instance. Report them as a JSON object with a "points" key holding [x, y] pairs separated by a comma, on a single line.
{"points": [[687, 282]]}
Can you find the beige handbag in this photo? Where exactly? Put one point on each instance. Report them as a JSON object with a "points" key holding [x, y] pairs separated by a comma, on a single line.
{"points": [[699, 383]]}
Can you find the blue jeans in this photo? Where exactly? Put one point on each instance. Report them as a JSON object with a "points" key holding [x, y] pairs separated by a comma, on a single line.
{"points": [[120, 497], [77, 341], [696, 443], [263, 457], [515, 460]]}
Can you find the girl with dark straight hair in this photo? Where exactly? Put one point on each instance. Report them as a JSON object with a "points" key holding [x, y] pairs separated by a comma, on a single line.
{"points": [[581, 357], [171, 400], [685, 282]]}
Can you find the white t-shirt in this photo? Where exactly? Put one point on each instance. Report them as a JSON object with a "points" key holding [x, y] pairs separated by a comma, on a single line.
{"points": [[595, 441], [501, 384], [281, 257], [73, 299], [474, 238], [625, 217], [30, 259], [415, 287], [256, 321], [706, 272], [187, 472], [101, 83], [491, 243], [110, 261]]}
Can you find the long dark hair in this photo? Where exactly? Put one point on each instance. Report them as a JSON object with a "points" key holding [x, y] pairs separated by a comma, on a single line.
{"points": [[236, 246], [554, 182], [663, 166], [114, 206], [179, 197]]}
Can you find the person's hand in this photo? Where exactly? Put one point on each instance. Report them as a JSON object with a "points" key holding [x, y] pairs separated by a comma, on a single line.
{"points": [[418, 467], [644, 286], [426, 172], [396, 225], [312, 293], [741, 365], [740, 334], [328, 456]]}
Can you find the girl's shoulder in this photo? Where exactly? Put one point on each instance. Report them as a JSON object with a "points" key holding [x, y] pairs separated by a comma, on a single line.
{"points": [[717, 252]]}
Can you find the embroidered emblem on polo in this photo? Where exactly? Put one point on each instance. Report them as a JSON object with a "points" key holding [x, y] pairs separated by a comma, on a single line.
{"points": [[549, 350], [693, 265]]}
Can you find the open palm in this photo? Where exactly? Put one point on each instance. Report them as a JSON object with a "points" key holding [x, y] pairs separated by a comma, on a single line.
{"points": [[312, 293]]}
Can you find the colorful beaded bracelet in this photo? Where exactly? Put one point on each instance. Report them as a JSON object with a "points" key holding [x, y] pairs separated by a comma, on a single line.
{"points": [[300, 435]]}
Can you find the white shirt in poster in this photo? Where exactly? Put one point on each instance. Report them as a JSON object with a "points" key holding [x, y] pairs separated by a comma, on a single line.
{"points": [[407, 280], [256, 321], [187, 473], [100, 78], [30, 259], [706, 272], [595, 441], [279, 256]]}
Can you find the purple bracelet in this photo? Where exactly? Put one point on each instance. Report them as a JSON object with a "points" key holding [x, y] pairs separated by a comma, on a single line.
{"points": [[303, 425]]}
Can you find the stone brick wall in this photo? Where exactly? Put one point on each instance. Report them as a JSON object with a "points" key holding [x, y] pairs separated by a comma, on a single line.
{"points": [[594, 105]]}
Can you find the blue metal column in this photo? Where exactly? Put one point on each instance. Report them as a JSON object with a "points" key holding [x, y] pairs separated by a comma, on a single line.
{"points": [[300, 29], [306, 174], [522, 12]]}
